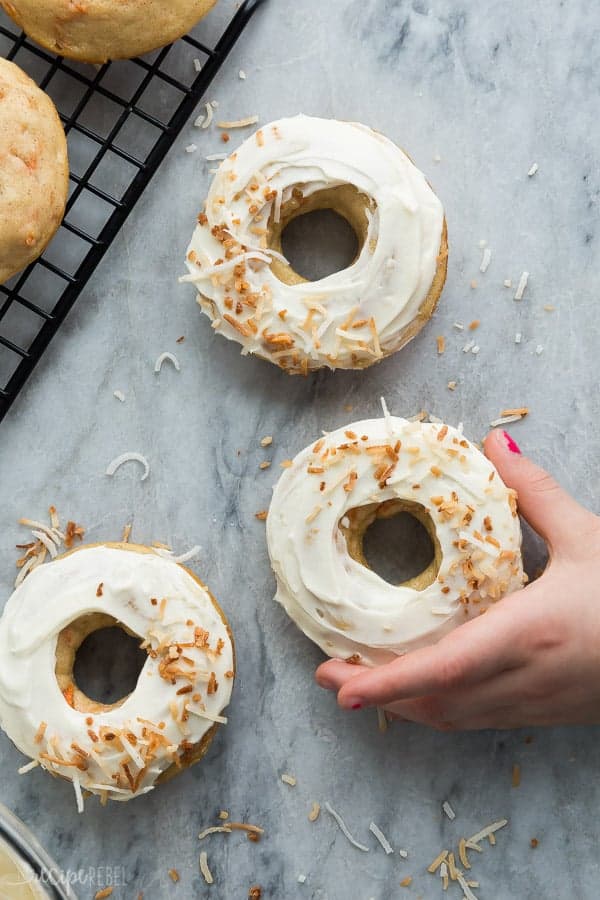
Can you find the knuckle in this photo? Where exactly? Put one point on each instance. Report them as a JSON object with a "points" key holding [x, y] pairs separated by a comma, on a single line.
{"points": [[541, 482], [453, 670], [430, 711]]}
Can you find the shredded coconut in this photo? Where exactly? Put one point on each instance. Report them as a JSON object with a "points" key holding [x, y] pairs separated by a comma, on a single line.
{"points": [[534, 168], [486, 260], [119, 395], [163, 358], [23, 770], [191, 148], [448, 810], [381, 838], [206, 873], [242, 75], [197, 64], [214, 829], [521, 286], [129, 457], [239, 123], [344, 829]]}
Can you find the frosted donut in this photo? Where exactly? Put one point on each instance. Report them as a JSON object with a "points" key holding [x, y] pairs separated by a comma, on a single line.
{"points": [[98, 30], [323, 504], [124, 749], [350, 319]]}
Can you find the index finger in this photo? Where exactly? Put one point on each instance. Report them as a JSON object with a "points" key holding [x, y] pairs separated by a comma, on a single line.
{"points": [[477, 650]]}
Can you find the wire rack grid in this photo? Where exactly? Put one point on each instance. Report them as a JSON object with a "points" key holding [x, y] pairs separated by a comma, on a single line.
{"points": [[121, 119]]}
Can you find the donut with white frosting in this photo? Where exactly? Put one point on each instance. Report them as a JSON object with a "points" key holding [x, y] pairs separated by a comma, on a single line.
{"points": [[336, 487], [352, 318], [121, 750]]}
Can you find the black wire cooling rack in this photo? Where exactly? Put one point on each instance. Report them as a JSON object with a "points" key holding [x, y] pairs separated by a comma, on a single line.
{"points": [[120, 119]]}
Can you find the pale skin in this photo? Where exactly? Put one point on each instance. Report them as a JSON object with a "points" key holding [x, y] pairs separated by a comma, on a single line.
{"points": [[532, 659]]}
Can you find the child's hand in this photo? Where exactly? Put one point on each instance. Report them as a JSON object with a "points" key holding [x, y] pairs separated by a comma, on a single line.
{"points": [[533, 659]]}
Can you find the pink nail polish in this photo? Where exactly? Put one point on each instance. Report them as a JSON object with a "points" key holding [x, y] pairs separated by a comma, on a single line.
{"points": [[511, 443], [357, 706]]}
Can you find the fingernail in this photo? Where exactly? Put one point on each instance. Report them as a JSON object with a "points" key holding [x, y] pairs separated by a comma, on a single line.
{"points": [[511, 443], [357, 706]]}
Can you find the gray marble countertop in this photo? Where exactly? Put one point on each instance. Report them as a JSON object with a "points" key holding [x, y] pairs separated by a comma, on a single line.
{"points": [[476, 93]]}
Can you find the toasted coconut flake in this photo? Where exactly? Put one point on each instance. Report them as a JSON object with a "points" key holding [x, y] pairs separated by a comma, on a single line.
{"points": [[434, 866], [441, 344], [128, 457], [516, 775], [49, 544], [381, 838], [406, 882], [103, 893], [314, 812], [239, 123], [266, 441], [289, 779], [163, 358], [174, 875], [344, 829]]}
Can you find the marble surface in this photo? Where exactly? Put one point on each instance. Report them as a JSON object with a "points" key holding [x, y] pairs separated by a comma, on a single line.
{"points": [[489, 89]]}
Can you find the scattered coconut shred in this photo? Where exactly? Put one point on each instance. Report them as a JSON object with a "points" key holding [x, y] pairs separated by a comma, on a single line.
{"points": [[381, 838], [445, 865], [164, 357], [239, 123], [344, 829], [118, 461], [510, 415], [49, 540], [206, 873]]}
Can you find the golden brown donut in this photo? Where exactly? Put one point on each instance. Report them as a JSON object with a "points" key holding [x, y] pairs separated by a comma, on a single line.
{"points": [[98, 30], [34, 170]]}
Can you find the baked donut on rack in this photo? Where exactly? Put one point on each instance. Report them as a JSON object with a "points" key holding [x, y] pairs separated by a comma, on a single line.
{"points": [[347, 320], [335, 489], [98, 30], [123, 749], [34, 170]]}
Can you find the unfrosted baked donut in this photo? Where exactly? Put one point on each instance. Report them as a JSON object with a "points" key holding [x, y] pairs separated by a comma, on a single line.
{"points": [[124, 749], [350, 319], [98, 30], [34, 170], [323, 504]]}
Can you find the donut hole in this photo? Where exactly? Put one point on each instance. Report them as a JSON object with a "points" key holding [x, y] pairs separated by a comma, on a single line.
{"points": [[319, 234], [397, 540], [98, 662], [319, 243]]}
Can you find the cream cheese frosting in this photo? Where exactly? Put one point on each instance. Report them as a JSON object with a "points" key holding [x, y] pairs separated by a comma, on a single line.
{"points": [[349, 319], [344, 606], [182, 689]]}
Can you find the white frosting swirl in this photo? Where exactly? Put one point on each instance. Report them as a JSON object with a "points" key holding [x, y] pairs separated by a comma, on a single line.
{"points": [[345, 607], [155, 725], [313, 324]]}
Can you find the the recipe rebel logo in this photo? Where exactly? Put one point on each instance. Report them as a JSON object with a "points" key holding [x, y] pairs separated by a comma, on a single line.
{"points": [[97, 877]]}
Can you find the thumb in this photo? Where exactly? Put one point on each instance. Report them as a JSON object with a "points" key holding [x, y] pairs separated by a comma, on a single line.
{"points": [[553, 513]]}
